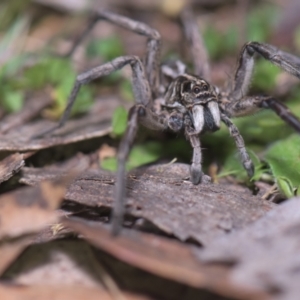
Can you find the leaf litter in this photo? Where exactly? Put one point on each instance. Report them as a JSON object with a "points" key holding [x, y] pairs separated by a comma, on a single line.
{"points": [[182, 241]]}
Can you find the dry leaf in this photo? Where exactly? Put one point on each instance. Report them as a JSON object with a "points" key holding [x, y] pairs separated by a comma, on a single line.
{"points": [[160, 195], [165, 258]]}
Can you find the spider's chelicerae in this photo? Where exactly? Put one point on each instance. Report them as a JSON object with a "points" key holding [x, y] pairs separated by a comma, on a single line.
{"points": [[190, 103]]}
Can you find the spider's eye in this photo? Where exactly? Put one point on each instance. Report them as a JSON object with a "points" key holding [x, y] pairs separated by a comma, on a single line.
{"points": [[196, 90], [205, 87]]}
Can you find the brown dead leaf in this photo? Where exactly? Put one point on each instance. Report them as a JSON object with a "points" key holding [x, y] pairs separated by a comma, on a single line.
{"points": [[172, 7], [78, 292], [10, 166], [106, 151], [266, 253], [56, 263], [49, 27], [96, 123], [10, 250], [32, 176], [160, 195], [22, 214], [163, 257], [29, 209], [30, 110], [59, 265]]}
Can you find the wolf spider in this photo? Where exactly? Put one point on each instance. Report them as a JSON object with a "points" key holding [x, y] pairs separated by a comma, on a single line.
{"points": [[190, 103]]}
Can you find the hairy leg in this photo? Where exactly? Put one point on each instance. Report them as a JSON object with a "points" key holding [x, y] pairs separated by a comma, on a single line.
{"points": [[239, 104], [140, 84], [152, 63], [288, 62], [251, 104], [196, 45], [120, 184], [282, 111], [239, 141], [196, 173]]}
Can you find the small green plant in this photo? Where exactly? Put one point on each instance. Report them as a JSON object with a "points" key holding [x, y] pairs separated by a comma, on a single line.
{"points": [[53, 72]]}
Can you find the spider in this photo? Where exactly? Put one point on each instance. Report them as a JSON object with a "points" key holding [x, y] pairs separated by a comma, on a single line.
{"points": [[189, 103]]}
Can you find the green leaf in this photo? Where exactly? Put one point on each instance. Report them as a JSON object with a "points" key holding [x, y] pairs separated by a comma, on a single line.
{"points": [[35, 77], [220, 43], [10, 10], [58, 73], [265, 75], [231, 39], [49, 71], [126, 90], [119, 120], [139, 155], [58, 70], [260, 22], [12, 66], [297, 193], [233, 166], [262, 128], [144, 154], [109, 163], [107, 48], [214, 42], [84, 100], [13, 101], [13, 33], [285, 186], [284, 160]]}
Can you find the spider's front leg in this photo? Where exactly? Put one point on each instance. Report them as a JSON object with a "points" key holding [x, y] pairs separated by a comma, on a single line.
{"points": [[152, 60], [141, 88], [197, 175], [139, 113], [239, 142]]}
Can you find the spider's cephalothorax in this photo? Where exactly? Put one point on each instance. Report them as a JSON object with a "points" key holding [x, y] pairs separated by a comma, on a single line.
{"points": [[196, 100], [189, 103]]}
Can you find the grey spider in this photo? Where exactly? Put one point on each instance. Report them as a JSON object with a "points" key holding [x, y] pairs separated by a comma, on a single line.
{"points": [[190, 103]]}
